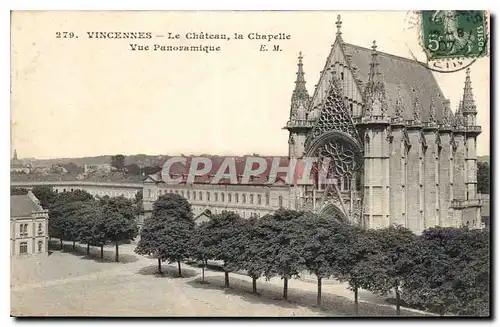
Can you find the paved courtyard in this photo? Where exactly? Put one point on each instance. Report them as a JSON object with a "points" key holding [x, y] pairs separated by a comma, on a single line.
{"points": [[67, 284]]}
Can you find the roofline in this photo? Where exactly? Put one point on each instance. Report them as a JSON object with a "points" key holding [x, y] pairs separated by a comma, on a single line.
{"points": [[386, 53], [407, 60]]}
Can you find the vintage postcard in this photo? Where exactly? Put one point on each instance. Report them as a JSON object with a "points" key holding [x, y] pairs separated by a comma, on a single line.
{"points": [[250, 164]]}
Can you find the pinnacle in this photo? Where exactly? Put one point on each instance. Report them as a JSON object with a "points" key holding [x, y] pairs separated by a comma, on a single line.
{"points": [[339, 26]]}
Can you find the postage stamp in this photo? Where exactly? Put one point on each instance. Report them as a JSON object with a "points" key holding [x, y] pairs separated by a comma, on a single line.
{"points": [[454, 34]]}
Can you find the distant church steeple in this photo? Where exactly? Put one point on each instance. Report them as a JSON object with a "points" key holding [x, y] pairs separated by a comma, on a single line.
{"points": [[15, 155]]}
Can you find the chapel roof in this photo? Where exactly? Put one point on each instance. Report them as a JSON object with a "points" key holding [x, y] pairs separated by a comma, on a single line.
{"points": [[412, 78]]}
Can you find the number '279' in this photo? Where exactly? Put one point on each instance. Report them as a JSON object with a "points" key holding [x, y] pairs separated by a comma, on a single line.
{"points": [[65, 35]]}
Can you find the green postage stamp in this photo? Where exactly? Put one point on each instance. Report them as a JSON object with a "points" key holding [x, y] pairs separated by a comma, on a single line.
{"points": [[454, 34]]}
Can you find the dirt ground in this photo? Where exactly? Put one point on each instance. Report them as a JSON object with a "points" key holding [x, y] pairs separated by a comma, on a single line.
{"points": [[72, 284]]}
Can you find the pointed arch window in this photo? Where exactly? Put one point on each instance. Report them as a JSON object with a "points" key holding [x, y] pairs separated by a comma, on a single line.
{"points": [[244, 198], [367, 144], [236, 198], [280, 201], [259, 199], [208, 196], [222, 197], [216, 196], [229, 197], [347, 183], [200, 194], [267, 199]]}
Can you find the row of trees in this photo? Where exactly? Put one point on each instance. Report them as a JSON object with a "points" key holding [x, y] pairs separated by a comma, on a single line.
{"points": [[445, 270], [78, 217], [118, 161]]}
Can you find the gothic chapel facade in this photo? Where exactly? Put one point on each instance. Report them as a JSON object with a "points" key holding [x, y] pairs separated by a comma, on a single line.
{"points": [[398, 153]]}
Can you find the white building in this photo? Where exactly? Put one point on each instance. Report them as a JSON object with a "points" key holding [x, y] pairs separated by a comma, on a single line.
{"points": [[29, 224]]}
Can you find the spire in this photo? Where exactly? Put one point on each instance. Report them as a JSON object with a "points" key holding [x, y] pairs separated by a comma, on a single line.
{"points": [[416, 108], [398, 110], [374, 66], [468, 105], [447, 114], [15, 155], [432, 112], [300, 97], [300, 82], [339, 26], [459, 117], [375, 98]]}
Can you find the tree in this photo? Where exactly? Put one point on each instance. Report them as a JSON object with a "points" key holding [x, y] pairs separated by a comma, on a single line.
{"points": [[319, 234], [225, 232], [199, 246], [392, 262], [138, 202], [167, 233], [89, 215], [483, 177], [18, 191], [252, 260], [73, 168], [283, 252], [150, 170], [63, 216], [351, 249], [132, 169], [45, 194], [119, 220], [451, 273], [118, 161]]}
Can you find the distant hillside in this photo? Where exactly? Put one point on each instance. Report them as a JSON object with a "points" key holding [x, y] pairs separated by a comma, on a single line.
{"points": [[141, 160]]}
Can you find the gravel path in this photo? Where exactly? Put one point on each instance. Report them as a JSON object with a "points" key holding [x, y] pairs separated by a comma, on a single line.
{"points": [[65, 284]]}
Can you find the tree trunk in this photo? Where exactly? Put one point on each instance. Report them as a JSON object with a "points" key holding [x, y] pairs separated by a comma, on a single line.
{"points": [[203, 273], [285, 288], [356, 303], [117, 256], [88, 248], [61, 242], [159, 265], [102, 252], [254, 284], [398, 300], [74, 245], [179, 268], [318, 298], [226, 279]]}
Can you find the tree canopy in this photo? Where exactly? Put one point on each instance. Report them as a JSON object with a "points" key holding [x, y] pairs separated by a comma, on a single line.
{"points": [[167, 233]]}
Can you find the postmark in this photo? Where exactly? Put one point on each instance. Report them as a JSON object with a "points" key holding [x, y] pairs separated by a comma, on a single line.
{"points": [[454, 34], [449, 40]]}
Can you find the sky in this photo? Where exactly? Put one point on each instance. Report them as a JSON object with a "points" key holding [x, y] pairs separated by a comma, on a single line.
{"points": [[78, 97]]}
